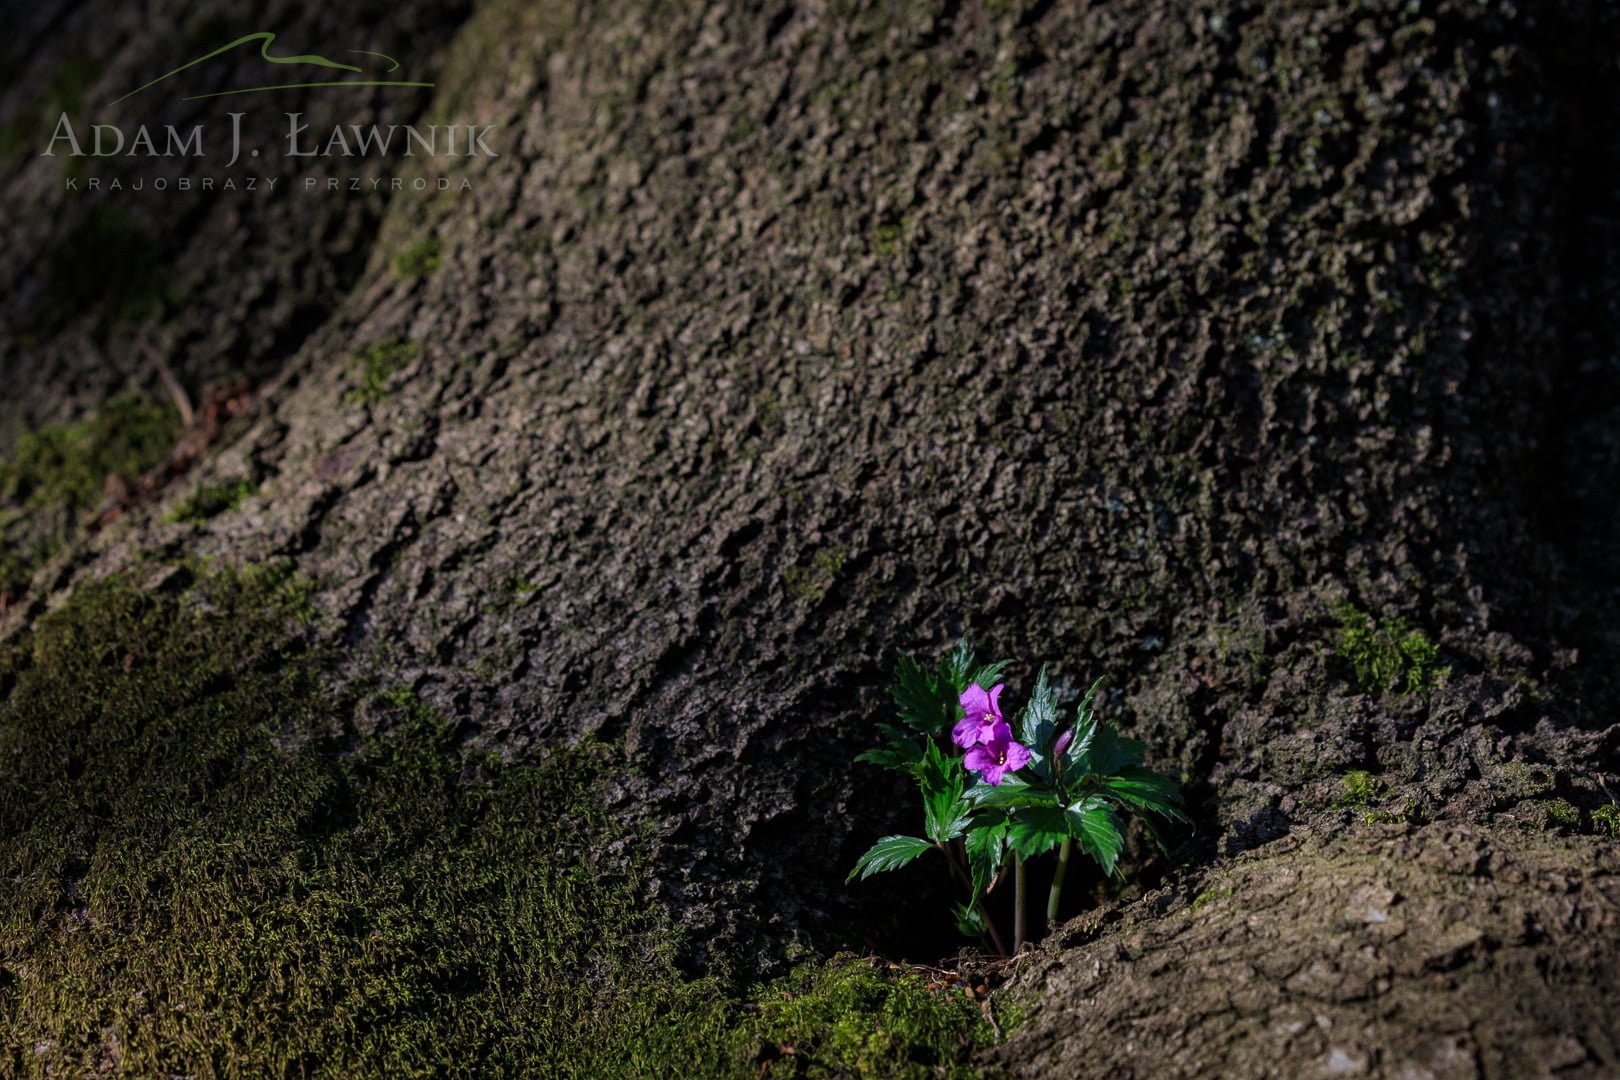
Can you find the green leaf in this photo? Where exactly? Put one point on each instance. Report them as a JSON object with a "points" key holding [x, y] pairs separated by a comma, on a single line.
{"points": [[1012, 792], [969, 920], [936, 771], [946, 813], [987, 675], [1094, 825], [887, 759], [1144, 789], [917, 695], [1037, 830], [986, 847], [956, 667], [889, 853], [1037, 724], [903, 752], [1109, 752], [1085, 710]]}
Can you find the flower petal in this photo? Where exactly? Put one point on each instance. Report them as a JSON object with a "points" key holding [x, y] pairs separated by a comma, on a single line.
{"points": [[1017, 756], [975, 702], [992, 775], [995, 698], [966, 732], [979, 758]]}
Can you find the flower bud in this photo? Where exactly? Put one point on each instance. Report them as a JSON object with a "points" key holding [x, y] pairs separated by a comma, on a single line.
{"points": [[1061, 743]]}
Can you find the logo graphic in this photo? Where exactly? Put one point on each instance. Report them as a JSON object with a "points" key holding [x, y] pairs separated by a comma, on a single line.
{"points": [[265, 39]]}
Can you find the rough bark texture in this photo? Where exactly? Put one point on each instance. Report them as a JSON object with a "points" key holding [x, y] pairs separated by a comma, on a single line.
{"points": [[1342, 956], [1134, 336]]}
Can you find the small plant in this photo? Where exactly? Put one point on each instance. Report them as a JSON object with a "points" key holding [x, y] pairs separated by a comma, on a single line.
{"points": [[1606, 819], [1390, 658], [1360, 788], [1559, 815], [993, 788]]}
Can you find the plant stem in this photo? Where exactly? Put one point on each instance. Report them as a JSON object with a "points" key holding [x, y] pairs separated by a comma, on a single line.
{"points": [[1053, 897], [956, 865], [977, 901], [990, 924], [1021, 887]]}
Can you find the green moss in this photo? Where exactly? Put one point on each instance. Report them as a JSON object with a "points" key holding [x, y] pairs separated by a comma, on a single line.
{"points": [[210, 871], [1212, 896], [57, 474], [1360, 788], [812, 581], [1606, 820], [848, 1018], [887, 237], [1415, 812], [1389, 658], [379, 364], [210, 501], [514, 591], [1558, 815], [69, 465], [420, 259]]}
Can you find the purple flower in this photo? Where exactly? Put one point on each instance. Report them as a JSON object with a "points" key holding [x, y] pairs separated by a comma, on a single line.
{"points": [[1000, 755], [983, 715]]}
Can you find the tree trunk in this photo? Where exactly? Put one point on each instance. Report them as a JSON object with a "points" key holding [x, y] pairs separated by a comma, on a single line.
{"points": [[1168, 341]]}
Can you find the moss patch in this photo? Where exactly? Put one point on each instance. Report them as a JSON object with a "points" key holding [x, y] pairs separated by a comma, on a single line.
{"points": [[1387, 658], [59, 473], [1212, 896], [420, 259], [377, 366], [210, 871], [1558, 815], [813, 580], [211, 500]]}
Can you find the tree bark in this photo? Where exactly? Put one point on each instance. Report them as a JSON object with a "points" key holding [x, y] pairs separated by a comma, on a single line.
{"points": [[1135, 337]]}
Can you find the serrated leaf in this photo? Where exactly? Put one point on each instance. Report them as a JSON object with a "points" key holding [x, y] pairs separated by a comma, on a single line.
{"points": [[1011, 792], [946, 814], [887, 759], [1109, 752], [986, 846], [987, 675], [902, 752], [917, 697], [1095, 828], [937, 771], [956, 667], [1037, 724], [1075, 762], [889, 853], [1085, 708], [1037, 830], [1143, 789]]}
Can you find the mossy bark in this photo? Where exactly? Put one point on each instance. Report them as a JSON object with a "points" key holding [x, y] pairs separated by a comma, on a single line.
{"points": [[1139, 337]]}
